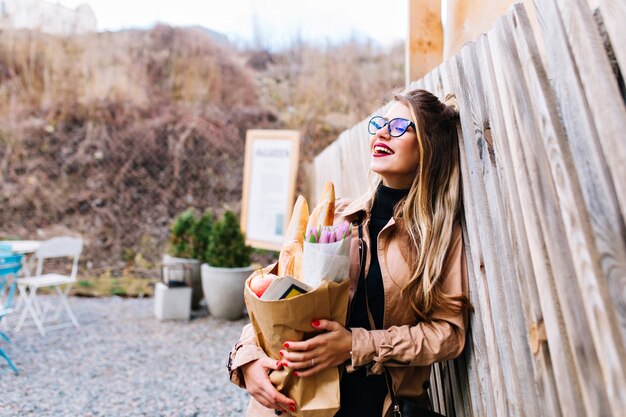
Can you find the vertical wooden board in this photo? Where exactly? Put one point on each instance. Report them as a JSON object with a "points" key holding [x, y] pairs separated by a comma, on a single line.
{"points": [[440, 383], [472, 123], [455, 389], [512, 303], [447, 389], [438, 390], [355, 160], [433, 390], [544, 378], [587, 260], [606, 105], [424, 46], [323, 169], [584, 142], [467, 19], [489, 379], [482, 392], [461, 382], [614, 16], [481, 297], [504, 126], [416, 84], [542, 203]]}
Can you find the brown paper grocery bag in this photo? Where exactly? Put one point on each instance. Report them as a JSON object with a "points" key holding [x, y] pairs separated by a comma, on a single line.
{"points": [[278, 321]]}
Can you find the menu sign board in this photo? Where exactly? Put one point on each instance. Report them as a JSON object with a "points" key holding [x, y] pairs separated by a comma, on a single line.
{"points": [[270, 169]]}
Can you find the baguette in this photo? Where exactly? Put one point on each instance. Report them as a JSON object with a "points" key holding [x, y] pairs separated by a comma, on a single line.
{"points": [[290, 261], [290, 258], [324, 213]]}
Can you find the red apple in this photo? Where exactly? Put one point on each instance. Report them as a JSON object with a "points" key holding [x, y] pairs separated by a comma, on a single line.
{"points": [[260, 282]]}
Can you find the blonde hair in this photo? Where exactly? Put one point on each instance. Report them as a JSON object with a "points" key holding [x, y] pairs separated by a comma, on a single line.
{"points": [[433, 204]]}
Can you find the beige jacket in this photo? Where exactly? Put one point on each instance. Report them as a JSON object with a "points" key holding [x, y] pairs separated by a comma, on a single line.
{"points": [[406, 346]]}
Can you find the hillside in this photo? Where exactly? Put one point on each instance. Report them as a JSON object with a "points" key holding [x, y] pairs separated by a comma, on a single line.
{"points": [[110, 135]]}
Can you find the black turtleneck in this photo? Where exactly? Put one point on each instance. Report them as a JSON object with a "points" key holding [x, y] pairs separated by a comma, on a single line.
{"points": [[363, 395]]}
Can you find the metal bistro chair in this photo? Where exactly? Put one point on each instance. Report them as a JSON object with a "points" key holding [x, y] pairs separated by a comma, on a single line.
{"points": [[59, 247], [9, 265]]}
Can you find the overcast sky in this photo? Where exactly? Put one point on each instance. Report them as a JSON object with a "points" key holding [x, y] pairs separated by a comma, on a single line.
{"points": [[277, 21]]}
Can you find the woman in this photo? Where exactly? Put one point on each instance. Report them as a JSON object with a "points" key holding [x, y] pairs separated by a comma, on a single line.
{"points": [[409, 295]]}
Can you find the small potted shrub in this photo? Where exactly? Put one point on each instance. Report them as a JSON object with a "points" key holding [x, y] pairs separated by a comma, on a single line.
{"points": [[226, 268], [187, 242]]}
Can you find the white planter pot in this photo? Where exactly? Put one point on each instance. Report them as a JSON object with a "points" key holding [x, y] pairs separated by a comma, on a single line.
{"points": [[184, 269], [172, 303], [223, 290]]}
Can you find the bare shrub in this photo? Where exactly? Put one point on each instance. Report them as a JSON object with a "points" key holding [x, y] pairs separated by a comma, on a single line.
{"points": [[111, 135]]}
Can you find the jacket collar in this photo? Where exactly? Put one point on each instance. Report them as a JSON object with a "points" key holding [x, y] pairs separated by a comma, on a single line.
{"points": [[360, 204]]}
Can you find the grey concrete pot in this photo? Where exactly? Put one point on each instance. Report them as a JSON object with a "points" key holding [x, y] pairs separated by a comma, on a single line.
{"points": [[184, 269], [223, 290]]}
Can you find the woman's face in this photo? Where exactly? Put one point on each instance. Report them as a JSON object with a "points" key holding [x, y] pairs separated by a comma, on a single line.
{"points": [[395, 159]]}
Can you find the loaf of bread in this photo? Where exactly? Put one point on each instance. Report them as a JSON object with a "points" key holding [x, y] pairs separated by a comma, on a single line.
{"points": [[297, 223], [290, 259], [324, 213]]}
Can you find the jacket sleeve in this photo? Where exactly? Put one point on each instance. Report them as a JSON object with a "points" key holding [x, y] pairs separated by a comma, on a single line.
{"points": [[245, 351], [440, 339]]}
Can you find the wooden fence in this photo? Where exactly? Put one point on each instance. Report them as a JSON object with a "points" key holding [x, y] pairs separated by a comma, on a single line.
{"points": [[543, 156]]}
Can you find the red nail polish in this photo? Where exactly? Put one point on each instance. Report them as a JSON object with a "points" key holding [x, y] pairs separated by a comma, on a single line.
{"points": [[278, 363], [281, 353], [292, 408], [296, 374], [286, 345], [315, 323]]}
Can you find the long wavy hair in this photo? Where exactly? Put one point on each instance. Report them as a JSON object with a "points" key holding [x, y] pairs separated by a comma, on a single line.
{"points": [[433, 203]]}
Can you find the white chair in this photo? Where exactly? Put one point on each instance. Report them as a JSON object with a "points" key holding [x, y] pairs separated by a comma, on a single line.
{"points": [[59, 247]]}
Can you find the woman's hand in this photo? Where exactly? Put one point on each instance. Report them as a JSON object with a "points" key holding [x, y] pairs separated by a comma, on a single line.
{"points": [[323, 351], [258, 384]]}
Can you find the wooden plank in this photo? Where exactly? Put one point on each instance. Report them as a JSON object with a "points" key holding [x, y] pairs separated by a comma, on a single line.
{"points": [[484, 190], [505, 126], [500, 219], [587, 262], [481, 394], [456, 402], [440, 406], [461, 384], [434, 395], [457, 405], [614, 16], [439, 385], [481, 297], [467, 19], [548, 237], [591, 167], [355, 159], [424, 46], [544, 377], [606, 105], [452, 386], [447, 389]]}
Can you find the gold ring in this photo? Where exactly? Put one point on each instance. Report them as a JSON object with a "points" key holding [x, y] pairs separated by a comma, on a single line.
{"points": [[312, 363]]}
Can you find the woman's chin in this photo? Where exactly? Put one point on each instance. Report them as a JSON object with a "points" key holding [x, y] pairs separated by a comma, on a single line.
{"points": [[378, 167]]}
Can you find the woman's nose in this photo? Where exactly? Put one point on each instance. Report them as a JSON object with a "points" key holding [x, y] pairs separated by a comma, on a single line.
{"points": [[383, 133]]}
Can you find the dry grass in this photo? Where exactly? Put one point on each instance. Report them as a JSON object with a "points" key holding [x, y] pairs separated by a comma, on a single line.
{"points": [[110, 135]]}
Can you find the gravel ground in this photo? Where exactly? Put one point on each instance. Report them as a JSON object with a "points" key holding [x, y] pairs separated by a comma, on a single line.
{"points": [[122, 362]]}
